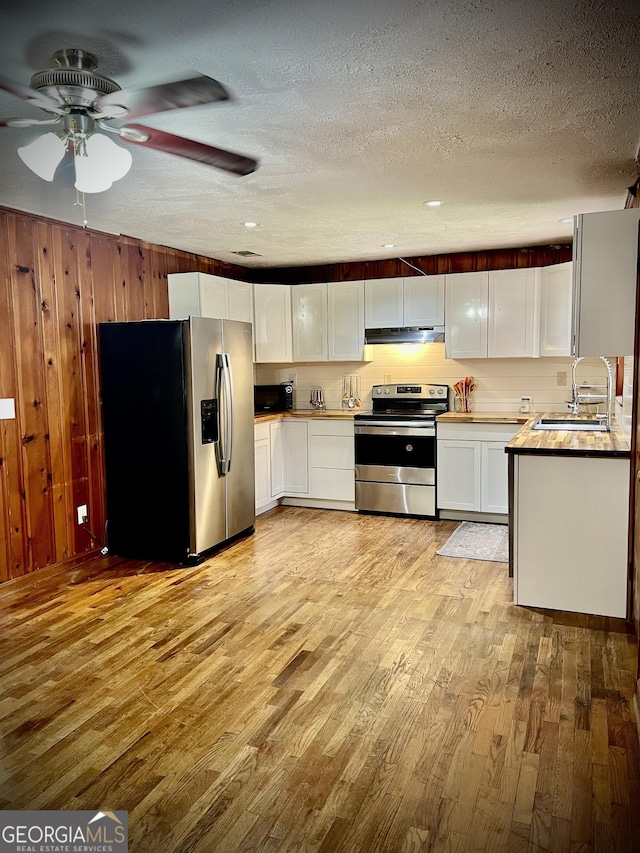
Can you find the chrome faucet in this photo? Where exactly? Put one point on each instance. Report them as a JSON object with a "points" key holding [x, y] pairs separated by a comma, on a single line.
{"points": [[581, 399]]}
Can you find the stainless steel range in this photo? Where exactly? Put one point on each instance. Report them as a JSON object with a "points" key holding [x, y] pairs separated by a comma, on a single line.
{"points": [[395, 449]]}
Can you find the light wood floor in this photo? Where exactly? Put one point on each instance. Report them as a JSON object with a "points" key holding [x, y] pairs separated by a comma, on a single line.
{"points": [[328, 684]]}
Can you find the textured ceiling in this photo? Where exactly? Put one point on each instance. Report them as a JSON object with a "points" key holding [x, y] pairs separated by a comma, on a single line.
{"points": [[515, 113]]}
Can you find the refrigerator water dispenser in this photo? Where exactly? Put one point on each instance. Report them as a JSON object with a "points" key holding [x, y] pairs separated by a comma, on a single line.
{"points": [[209, 421]]}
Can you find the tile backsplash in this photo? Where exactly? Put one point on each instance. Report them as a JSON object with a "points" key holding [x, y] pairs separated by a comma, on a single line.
{"points": [[500, 382]]}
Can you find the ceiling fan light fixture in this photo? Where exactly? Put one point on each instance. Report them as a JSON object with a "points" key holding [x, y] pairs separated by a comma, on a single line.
{"points": [[43, 155], [100, 164]]}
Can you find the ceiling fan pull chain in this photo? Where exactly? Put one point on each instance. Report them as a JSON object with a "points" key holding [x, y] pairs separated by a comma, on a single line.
{"points": [[82, 202]]}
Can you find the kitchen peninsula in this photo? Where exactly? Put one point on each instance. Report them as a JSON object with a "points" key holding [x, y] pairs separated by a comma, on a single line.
{"points": [[568, 519]]}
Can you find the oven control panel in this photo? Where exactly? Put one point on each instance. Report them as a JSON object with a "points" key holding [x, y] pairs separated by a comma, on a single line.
{"points": [[416, 392]]}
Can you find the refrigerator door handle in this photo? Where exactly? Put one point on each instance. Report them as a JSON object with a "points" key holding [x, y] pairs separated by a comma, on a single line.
{"points": [[222, 418], [225, 409], [230, 411]]}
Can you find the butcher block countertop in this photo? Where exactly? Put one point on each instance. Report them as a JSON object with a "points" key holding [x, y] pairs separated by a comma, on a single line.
{"points": [[343, 414], [484, 417], [568, 442]]}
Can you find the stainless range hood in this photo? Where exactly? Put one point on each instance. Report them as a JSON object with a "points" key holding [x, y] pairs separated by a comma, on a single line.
{"points": [[405, 335]]}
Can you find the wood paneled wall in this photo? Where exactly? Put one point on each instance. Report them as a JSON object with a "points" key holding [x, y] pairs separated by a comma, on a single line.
{"points": [[57, 282], [489, 259]]}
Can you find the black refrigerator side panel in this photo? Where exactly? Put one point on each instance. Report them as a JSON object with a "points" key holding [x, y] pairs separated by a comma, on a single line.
{"points": [[146, 439]]}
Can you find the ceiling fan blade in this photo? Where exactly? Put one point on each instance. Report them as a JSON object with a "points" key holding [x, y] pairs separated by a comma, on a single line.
{"points": [[27, 122], [38, 99], [157, 99], [149, 137]]}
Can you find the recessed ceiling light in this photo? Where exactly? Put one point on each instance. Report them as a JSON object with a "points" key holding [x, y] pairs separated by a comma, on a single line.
{"points": [[567, 220], [388, 245], [433, 203], [250, 224], [246, 253]]}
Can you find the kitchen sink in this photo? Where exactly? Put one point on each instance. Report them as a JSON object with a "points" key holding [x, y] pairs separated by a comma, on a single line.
{"points": [[577, 424]]}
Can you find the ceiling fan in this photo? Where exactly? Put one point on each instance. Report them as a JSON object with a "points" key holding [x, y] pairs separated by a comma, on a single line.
{"points": [[82, 102]]}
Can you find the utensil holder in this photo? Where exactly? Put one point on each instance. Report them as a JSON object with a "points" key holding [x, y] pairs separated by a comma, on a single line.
{"points": [[351, 398], [464, 404]]}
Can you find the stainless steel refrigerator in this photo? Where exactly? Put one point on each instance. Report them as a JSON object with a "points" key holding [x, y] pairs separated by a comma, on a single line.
{"points": [[177, 403]]}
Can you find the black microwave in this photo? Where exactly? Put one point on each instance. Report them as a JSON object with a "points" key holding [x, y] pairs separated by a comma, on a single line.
{"points": [[273, 398]]}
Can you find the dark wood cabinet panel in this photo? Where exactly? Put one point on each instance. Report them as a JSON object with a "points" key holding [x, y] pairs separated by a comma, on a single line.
{"points": [[489, 259]]}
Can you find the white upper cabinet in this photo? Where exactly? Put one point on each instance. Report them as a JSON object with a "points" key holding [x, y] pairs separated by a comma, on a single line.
{"points": [[416, 300], [514, 313], [309, 315], [240, 301], [467, 299], [556, 300], [346, 320], [272, 328], [605, 271], [384, 303], [214, 296], [493, 314], [197, 294], [328, 321], [423, 300]]}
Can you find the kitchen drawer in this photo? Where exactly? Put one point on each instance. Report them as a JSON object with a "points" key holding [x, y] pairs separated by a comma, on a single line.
{"points": [[332, 484], [331, 451], [331, 426], [477, 431]]}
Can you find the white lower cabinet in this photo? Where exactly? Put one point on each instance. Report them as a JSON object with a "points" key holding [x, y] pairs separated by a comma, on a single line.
{"points": [[281, 461], [296, 457], [305, 462], [570, 533], [263, 466], [458, 473], [472, 467], [494, 476], [276, 443], [331, 460]]}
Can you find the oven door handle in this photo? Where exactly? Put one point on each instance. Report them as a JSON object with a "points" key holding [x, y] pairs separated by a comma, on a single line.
{"points": [[395, 429]]}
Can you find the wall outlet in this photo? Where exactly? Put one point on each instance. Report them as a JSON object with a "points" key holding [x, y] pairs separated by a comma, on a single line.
{"points": [[525, 404], [386, 379], [561, 378], [293, 378], [83, 514]]}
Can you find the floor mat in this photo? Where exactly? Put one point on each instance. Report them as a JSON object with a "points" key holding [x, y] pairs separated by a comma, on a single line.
{"points": [[474, 541]]}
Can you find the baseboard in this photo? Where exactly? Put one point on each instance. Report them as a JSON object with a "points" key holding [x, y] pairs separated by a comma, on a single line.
{"points": [[55, 568], [482, 517], [266, 507], [319, 503]]}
